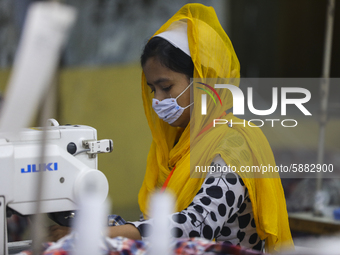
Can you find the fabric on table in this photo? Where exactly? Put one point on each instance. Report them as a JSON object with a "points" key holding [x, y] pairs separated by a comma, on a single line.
{"points": [[125, 246]]}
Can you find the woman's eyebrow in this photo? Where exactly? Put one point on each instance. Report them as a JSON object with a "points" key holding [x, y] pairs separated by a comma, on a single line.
{"points": [[160, 80]]}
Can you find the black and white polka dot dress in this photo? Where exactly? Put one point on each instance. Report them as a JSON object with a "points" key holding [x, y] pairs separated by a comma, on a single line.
{"points": [[221, 210]]}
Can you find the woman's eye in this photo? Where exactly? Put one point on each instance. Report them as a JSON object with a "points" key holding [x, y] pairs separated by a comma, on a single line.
{"points": [[167, 88], [152, 91]]}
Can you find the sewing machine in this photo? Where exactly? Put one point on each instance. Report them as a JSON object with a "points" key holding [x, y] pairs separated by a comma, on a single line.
{"points": [[69, 167]]}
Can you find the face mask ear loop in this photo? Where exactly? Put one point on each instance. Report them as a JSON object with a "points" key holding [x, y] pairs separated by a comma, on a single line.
{"points": [[184, 90], [188, 105]]}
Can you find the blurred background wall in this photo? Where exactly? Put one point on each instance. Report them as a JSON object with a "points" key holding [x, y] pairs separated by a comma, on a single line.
{"points": [[99, 77]]}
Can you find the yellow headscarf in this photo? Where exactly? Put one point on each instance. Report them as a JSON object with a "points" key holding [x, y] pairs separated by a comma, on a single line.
{"points": [[215, 61]]}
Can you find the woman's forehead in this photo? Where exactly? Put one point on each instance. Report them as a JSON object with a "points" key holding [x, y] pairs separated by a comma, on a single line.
{"points": [[156, 73]]}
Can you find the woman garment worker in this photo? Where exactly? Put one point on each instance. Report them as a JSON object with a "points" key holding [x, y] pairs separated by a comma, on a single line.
{"points": [[189, 52], [236, 208]]}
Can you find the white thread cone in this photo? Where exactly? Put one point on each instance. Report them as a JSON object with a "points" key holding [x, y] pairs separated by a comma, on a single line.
{"points": [[162, 205]]}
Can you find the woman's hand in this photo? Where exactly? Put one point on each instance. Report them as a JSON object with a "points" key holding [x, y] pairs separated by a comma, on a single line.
{"points": [[56, 232], [127, 230]]}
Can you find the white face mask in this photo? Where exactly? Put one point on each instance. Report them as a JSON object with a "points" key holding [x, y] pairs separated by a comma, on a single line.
{"points": [[168, 109]]}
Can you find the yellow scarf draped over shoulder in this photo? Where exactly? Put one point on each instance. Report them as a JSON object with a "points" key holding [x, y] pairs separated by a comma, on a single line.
{"points": [[215, 62]]}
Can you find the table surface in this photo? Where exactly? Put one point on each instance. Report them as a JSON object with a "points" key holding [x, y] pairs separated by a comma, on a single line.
{"points": [[308, 223]]}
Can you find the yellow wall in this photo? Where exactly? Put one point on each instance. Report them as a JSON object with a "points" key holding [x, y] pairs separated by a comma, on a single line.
{"points": [[4, 75], [109, 99]]}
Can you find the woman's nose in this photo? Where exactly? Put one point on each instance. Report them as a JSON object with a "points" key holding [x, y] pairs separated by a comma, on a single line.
{"points": [[159, 95]]}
